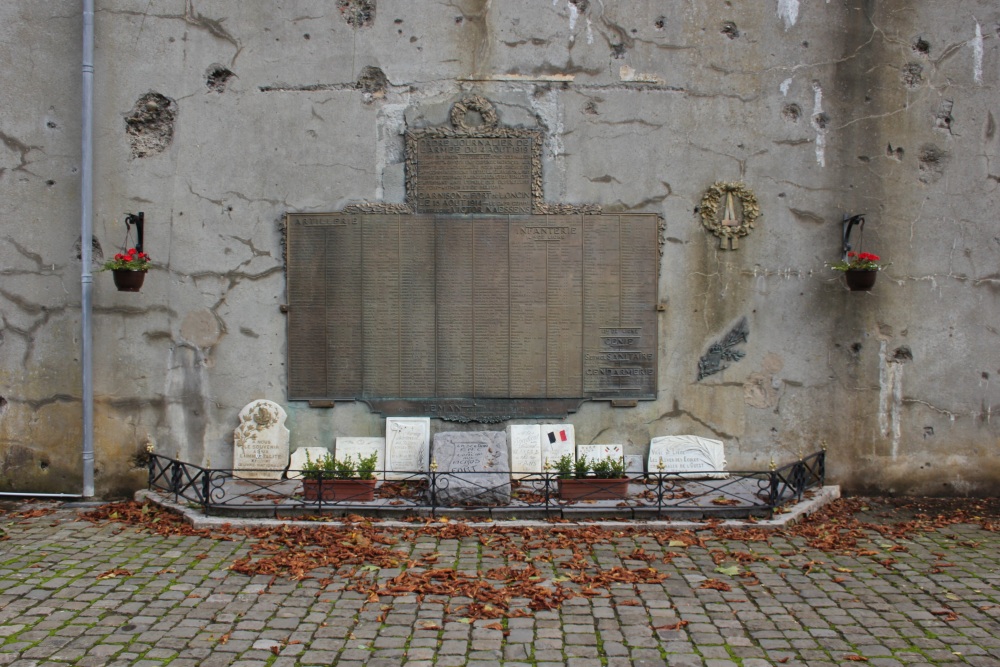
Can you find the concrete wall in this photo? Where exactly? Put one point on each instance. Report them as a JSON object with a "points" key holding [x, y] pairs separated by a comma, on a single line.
{"points": [[823, 108]]}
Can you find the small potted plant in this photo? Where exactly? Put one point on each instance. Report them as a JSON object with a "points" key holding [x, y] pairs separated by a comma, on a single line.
{"points": [[339, 479], [128, 269], [581, 479], [860, 270]]}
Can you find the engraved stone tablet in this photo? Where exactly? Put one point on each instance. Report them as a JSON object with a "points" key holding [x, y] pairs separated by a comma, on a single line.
{"points": [[298, 460], [525, 449], [557, 440], [689, 454], [633, 464], [360, 448], [260, 442], [407, 446], [600, 452], [477, 466]]}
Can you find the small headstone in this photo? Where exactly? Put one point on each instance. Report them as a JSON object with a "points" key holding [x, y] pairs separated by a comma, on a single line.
{"points": [[361, 448], [260, 442], [477, 461], [633, 464], [298, 461], [407, 446], [600, 452], [689, 454], [557, 440], [525, 449]]}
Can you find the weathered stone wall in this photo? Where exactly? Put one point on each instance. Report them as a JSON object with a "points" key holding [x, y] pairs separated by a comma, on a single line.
{"points": [[216, 117]]}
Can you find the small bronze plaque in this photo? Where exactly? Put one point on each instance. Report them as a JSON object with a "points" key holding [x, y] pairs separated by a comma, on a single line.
{"points": [[493, 171], [491, 315]]}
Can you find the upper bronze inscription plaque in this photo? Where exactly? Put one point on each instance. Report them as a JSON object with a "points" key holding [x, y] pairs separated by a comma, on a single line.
{"points": [[491, 171], [489, 314]]}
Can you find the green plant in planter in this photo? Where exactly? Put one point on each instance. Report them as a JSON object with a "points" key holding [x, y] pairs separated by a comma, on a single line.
{"points": [[564, 466], [581, 467], [346, 468], [321, 468], [609, 468]]}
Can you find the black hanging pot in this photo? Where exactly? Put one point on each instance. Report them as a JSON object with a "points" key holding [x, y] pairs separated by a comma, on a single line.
{"points": [[859, 280], [127, 280]]}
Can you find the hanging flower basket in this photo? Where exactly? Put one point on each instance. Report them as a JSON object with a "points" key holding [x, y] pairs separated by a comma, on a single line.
{"points": [[860, 280], [128, 269], [128, 280]]}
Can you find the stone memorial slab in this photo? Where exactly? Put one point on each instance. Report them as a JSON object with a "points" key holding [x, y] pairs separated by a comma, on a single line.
{"points": [[407, 446], [359, 448], [600, 452], [298, 460], [633, 465], [689, 455], [260, 442], [478, 466], [557, 440], [525, 449]]}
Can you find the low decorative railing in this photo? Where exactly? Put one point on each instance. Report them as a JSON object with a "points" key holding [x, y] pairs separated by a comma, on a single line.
{"points": [[723, 493]]}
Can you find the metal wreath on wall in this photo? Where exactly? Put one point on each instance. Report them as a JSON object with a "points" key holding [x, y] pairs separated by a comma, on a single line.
{"points": [[729, 211]]}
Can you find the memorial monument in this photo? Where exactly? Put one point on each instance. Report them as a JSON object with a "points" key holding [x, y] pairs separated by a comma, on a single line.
{"points": [[476, 300]]}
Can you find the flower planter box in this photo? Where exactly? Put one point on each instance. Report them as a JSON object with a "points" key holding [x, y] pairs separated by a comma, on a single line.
{"points": [[127, 280], [593, 488], [354, 490], [860, 280]]}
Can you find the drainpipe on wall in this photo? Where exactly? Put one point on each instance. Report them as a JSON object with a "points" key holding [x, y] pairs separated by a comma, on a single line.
{"points": [[86, 242]]}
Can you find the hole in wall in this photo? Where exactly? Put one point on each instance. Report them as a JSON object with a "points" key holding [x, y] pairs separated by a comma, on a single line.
{"points": [[921, 46], [150, 124], [218, 76], [357, 13], [912, 74], [730, 30], [791, 112]]}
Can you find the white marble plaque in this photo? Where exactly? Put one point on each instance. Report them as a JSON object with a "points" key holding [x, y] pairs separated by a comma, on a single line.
{"points": [[557, 440], [633, 465], [688, 454], [407, 446], [260, 442], [360, 448], [525, 449], [299, 459], [600, 452]]}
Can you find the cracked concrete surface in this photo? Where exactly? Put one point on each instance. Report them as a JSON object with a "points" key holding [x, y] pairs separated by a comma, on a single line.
{"points": [[823, 109]]}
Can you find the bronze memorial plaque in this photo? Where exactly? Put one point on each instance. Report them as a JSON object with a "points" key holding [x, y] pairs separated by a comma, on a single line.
{"points": [[486, 172], [484, 318]]}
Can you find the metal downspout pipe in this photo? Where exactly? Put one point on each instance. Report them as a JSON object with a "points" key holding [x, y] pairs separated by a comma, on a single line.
{"points": [[86, 243]]}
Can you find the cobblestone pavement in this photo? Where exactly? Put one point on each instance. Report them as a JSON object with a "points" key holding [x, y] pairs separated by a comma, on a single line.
{"points": [[78, 592]]}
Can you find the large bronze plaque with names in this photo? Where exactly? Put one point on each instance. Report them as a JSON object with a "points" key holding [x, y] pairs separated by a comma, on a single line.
{"points": [[481, 318]]}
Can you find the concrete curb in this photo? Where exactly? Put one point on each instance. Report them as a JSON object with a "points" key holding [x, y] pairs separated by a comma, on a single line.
{"points": [[793, 514]]}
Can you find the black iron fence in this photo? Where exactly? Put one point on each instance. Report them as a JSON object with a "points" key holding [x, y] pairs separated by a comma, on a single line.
{"points": [[723, 493]]}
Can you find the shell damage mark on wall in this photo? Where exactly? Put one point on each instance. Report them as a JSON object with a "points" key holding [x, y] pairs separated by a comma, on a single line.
{"points": [[730, 30], [912, 74], [977, 55], [921, 46], [788, 11], [357, 13], [891, 392], [943, 119], [894, 153], [819, 122], [791, 112], [150, 124], [931, 160], [96, 251], [372, 82], [217, 77]]}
